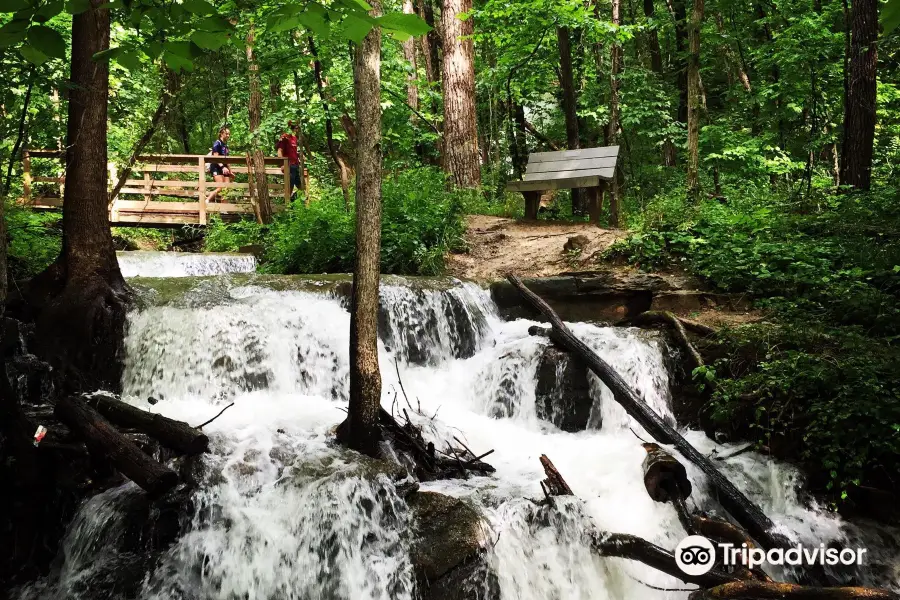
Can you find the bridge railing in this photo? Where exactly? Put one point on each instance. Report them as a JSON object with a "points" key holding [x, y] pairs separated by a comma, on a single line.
{"points": [[169, 189]]}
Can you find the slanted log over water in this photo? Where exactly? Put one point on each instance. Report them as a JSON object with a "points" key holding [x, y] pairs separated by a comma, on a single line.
{"points": [[103, 440], [761, 590], [173, 434], [664, 476], [746, 512]]}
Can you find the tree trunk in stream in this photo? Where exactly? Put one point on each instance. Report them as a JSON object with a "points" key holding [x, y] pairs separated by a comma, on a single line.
{"points": [[80, 300], [360, 430]]}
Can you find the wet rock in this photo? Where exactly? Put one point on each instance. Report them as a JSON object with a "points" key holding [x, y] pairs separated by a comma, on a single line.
{"points": [[563, 391], [472, 580], [448, 533]]}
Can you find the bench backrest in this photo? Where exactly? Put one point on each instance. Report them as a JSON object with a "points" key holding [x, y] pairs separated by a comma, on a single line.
{"points": [[572, 164]]}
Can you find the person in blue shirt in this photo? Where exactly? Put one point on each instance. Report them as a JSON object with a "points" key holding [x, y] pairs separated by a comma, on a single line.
{"points": [[220, 171]]}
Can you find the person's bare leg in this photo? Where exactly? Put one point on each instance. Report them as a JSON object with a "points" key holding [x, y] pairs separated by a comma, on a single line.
{"points": [[215, 192]]}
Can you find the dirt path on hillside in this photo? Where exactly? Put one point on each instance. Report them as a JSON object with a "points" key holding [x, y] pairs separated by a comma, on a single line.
{"points": [[498, 246]]}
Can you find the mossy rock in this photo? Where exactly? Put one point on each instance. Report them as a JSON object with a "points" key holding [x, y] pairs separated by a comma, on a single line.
{"points": [[449, 532]]}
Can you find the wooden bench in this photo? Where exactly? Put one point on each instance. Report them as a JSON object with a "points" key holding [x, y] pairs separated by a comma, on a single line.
{"points": [[589, 168]]}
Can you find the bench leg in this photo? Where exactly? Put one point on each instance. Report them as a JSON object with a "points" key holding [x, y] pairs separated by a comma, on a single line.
{"points": [[532, 203], [595, 202]]}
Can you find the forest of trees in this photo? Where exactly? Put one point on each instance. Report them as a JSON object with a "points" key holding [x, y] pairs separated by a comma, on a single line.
{"points": [[759, 145]]}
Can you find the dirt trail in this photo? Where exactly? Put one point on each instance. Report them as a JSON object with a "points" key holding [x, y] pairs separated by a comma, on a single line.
{"points": [[498, 246]]}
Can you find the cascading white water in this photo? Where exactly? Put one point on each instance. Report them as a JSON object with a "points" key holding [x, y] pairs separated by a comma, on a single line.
{"points": [[285, 514], [183, 264]]}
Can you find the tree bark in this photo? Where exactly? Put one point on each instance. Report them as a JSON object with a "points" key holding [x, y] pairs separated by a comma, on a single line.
{"points": [[569, 104], [329, 126], [360, 430], [80, 299], [430, 42], [519, 143], [460, 143], [259, 184], [693, 173], [173, 434], [653, 38], [614, 124], [733, 500], [860, 99], [679, 15], [409, 54], [104, 442]]}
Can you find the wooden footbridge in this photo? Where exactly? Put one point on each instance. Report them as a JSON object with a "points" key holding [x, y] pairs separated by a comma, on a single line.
{"points": [[168, 190]]}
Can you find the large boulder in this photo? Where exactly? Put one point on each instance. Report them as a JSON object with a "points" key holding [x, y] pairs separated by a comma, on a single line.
{"points": [[448, 554], [563, 390]]}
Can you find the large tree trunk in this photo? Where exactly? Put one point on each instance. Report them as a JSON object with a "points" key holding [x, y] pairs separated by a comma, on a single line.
{"points": [[693, 173], [614, 121], [860, 101], [360, 430], [653, 38], [80, 299], [259, 184], [569, 104], [409, 54], [679, 15], [430, 42], [460, 144]]}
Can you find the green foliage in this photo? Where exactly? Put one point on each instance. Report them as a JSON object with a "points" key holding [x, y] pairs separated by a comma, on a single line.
{"points": [[421, 222], [817, 380], [34, 240]]}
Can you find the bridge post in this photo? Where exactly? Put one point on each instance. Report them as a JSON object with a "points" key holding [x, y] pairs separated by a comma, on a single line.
{"points": [[26, 175], [286, 172], [201, 174]]}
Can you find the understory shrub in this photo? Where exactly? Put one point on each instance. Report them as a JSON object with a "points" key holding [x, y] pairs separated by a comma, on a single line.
{"points": [[421, 222], [817, 379]]}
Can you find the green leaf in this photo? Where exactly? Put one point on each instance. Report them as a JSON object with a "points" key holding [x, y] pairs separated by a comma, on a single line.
{"points": [[890, 16], [404, 23], [76, 7], [284, 23], [130, 60], [178, 63], [356, 5], [33, 55], [313, 18], [11, 39], [107, 54], [214, 23], [48, 41], [15, 26], [50, 10], [209, 41], [354, 28], [10, 6], [181, 49], [198, 7]]}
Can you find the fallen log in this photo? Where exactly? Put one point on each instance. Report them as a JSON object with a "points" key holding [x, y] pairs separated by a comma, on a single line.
{"points": [[761, 590], [622, 545], [104, 441], [173, 434], [744, 511], [664, 477]]}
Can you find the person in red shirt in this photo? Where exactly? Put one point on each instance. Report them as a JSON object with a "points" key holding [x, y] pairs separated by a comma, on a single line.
{"points": [[287, 147]]}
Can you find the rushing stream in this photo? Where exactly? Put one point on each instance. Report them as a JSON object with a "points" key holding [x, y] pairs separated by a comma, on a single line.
{"points": [[283, 514]]}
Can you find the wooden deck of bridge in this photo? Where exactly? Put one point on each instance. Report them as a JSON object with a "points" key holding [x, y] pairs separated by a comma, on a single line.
{"points": [[167, 190]]}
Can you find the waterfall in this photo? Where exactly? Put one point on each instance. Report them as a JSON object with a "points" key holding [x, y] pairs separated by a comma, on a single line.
{"points": [[183, 264], [283, 513]]}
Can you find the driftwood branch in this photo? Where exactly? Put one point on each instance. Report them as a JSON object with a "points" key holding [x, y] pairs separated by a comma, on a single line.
{"points": [[104, 441], [555, 485], [745, 512], [173, 434], [761, 590]]}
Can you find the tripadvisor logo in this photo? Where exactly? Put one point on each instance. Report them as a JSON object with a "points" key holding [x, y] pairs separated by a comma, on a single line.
{"points": [[696, 555]]}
